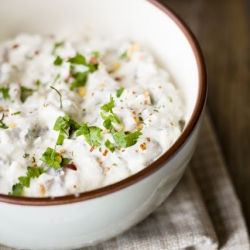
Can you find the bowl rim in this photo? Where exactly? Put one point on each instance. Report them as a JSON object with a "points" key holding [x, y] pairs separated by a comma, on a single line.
{"points": [[162, 160]]}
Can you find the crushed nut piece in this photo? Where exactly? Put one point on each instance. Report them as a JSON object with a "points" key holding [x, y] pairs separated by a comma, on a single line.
{"points": [[143, 146], [146, 93], [41, 189], [139, 127], [105, 152], [12, 125], [148, 139], [82, 92], [106, 170], [63, 151], [116, 65], [136, 119]]}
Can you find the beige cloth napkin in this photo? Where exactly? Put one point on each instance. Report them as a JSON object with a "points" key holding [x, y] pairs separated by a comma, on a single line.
{"points": [[202, 213]]}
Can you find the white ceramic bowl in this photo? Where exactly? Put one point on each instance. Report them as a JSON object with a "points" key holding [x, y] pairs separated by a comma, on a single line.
{"points": [[72, 222]]}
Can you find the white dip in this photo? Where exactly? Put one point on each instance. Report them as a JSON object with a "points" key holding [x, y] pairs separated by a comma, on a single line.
{"points": [[139, 123]]}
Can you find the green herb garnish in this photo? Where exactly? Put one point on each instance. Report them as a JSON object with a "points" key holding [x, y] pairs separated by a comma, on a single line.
{"points": [[96, 54], [17, 113], [91, 134], [5, 92], [125, 141], [119, 91], [57, 45], [26, 155], [110, 146], [50, 158], [63, 124], [24, 181], [25, 93], [58, 61], [124, 55], [2, 125], [59, 95], [80, 80]]}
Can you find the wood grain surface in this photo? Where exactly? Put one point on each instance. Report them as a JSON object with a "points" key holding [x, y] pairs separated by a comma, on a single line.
{"points": [[222, 29]]}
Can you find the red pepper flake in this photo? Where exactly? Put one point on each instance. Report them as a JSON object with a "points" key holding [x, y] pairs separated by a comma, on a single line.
{"points": [[36, 52], [100, 162], [15, 46], [70, 166], [123, 150], [121, 107], [133, 93], [136, 151], [145, 102], [68, 78], [74, 186], [159, 87], [148, 139], [118, 79], [34, 165], [69, 57], [134, 112], [93, 60], [92, 149], [171, 123], [105, 152], [92, 94], [31, 112], [150, 120]]}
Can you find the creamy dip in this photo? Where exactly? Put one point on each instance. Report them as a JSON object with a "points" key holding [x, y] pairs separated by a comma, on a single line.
{"points": [[81, 113]]}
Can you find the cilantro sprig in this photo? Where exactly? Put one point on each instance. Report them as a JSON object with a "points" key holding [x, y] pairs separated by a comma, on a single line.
{"points": [[81, 77], [5, 92], [122, 139], [58, 61], [24, 181], [119, 92], [92, 134], [63, 124], [57, 45]]}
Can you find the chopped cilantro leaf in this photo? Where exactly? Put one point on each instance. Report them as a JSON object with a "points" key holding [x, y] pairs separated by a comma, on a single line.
{"points": [[57, 45], [65, 161], [2, 125], [58, 61], [91, 134], [124, 55], [38, 82], [5, 92], [119, 91], [81, 60], [96, 54], [17, 190], [131, 139], [59, 95], [62, 124], [80, 80], [113, 118], [109, 106], [120, 138], [110, 145], [25, 93], [17, 113], [26, 155], [125, 141], [24, 181], [49, 158], [35, 172]]}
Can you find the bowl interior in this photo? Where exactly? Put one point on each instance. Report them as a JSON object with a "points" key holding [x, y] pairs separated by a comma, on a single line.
{"points": [[138, 20]]}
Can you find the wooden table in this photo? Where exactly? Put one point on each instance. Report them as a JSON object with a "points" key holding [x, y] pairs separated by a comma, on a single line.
{"points": [[222, 28]]}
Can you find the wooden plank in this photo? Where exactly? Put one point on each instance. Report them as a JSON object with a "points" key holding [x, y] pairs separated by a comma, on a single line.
{"points": [[221, 27]]}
